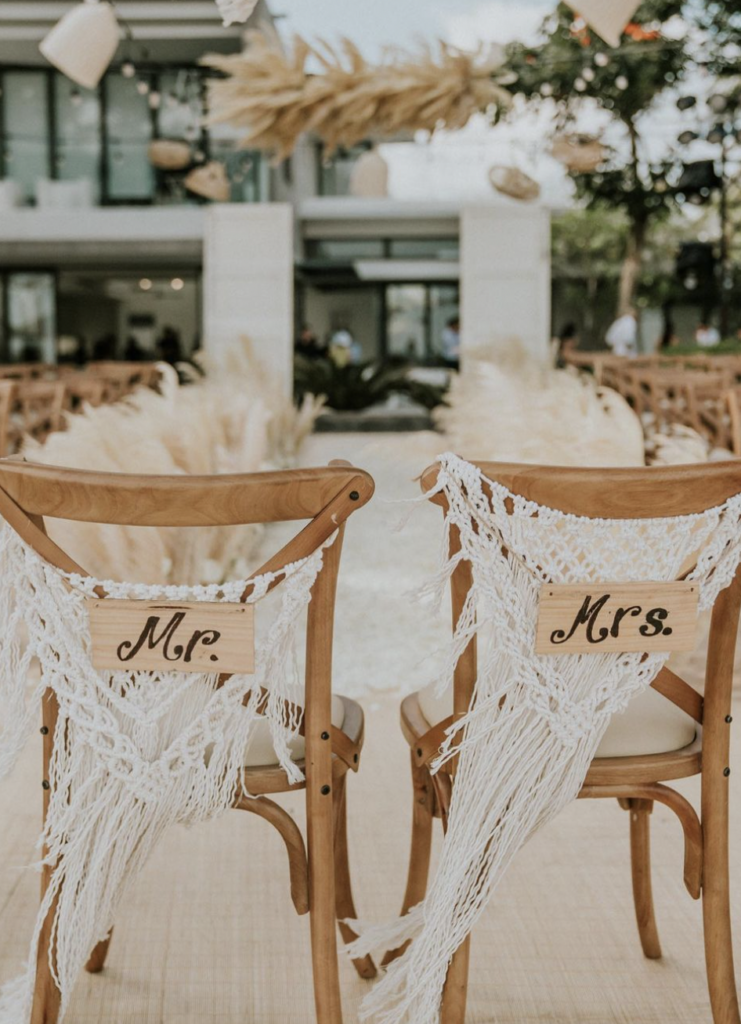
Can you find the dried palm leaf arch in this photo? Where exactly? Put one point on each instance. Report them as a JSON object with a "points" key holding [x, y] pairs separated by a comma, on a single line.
{"points": [[274, 96]]}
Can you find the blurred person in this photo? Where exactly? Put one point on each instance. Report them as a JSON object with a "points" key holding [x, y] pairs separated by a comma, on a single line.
{"points": [[307, 344], [622, 335], [567, 341], [707, 336], [169, 347], [344, 348]]}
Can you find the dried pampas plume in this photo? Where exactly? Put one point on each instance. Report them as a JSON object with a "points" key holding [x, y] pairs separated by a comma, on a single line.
{"points": [[270, 93]]}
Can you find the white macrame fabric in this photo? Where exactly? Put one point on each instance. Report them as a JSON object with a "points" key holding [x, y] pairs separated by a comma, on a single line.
{"points": [[535, 722], [134, 752]]}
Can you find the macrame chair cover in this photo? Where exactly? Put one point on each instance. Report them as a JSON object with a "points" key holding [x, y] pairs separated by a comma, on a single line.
{"points": [[134, 752], [535, 722]]}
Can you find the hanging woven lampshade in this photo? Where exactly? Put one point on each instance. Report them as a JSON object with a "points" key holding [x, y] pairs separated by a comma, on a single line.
{"points": [[210, 181], [608, 18], [513, 182], [370, 176], [82, 43], [580, 153], [169, 154]]}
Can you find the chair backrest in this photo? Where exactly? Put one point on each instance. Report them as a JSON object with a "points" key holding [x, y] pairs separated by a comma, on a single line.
{"points": [[326, 497], [643, 493], [7, 390], [40, 405]]}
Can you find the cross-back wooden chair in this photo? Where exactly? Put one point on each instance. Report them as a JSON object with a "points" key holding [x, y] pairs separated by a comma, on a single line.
{"points": [[38, 409], [320, 878], [82, 389], [7, 391], [732, 400], [689, 734]]}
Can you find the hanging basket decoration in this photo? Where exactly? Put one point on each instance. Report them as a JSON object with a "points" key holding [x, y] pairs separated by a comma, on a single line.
{"points": [[513, 182], [210, 181], [82, 43], [235, 10], [169, 155], [608, 18], [581, 154], [271, 95]]}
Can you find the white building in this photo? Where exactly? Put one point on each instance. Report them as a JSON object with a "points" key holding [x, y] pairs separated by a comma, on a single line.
{"points": [[100, 251]]}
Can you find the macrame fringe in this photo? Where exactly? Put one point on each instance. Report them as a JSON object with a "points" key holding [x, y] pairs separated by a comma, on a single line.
{"points": [[134, 752]]}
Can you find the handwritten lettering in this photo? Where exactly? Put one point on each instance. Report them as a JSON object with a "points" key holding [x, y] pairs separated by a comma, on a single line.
{"points": [[589, 613], [171, 650]]}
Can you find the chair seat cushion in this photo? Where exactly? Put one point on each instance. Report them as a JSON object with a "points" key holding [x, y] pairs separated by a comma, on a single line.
{"points": [[261, 752], [650, 724]]}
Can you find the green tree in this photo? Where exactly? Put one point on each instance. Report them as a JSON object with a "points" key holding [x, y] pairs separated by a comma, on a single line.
{"points": [[574, 70]]}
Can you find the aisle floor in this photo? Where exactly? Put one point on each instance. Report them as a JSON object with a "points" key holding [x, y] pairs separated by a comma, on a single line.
{"points": [[208, 932]]}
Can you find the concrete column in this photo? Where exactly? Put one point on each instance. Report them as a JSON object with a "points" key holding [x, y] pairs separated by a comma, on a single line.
{"points": [[248, 284], [505, 278]]}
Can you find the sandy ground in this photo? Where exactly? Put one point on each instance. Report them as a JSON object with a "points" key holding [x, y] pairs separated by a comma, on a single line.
{"points": [[208, 932]]}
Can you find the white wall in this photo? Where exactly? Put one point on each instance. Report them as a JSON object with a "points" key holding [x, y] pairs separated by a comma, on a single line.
{"points": [[248, 284], [505, 277]]}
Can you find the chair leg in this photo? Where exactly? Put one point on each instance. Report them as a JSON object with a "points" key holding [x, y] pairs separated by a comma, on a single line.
{"points": [[320, 833], [97, 959], [46, 997], [419, 857], [640, 857], [716, 912], [344, 902], [455, 992]]}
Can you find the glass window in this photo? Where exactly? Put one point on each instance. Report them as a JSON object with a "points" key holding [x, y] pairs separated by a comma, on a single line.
{"points": [[129, 123], [26, 129], [444, 319], [345, 250], [425, 248], [31, 318], [78, 133], [406, 326]]}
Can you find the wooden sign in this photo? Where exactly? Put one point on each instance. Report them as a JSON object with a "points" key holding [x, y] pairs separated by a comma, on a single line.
{"points": [[180, 636], [597, 618]]}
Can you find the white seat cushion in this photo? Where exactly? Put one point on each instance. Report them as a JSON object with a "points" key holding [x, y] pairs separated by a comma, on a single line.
{"points": [[261, 751], [650, 724]]}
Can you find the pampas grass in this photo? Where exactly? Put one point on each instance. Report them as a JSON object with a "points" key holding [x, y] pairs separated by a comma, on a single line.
{"points": [[271, 94], [220, 425], [517, 409]]}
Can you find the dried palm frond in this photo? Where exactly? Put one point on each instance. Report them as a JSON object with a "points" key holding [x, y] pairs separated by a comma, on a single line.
{"points": [[222, 424], [272, 95], [516, 409]]}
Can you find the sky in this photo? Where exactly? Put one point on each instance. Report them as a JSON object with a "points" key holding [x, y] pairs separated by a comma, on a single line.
{"points": [[376, 23]]}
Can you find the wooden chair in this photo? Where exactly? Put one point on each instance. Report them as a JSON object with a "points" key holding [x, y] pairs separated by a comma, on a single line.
{"points": [[36, 408], [7, 390], [121, 378], [638, 780], [83, 389], [732, 400], [320, 882]]}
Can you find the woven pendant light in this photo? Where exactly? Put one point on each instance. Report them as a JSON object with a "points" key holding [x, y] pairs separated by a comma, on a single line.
{"points": [[169, 154], [82, 43], [579, 153], [513, 182], [210, 181], [608, 18], [370, 176]]}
